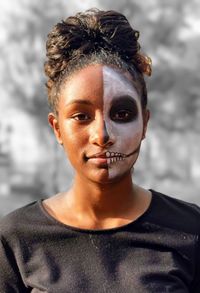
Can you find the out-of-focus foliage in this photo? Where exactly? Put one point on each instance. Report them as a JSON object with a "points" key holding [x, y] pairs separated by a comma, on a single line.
{"points": [[32, 165]]}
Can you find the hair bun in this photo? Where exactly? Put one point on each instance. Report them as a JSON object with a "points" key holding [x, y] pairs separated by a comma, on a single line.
{"points": [[93, 31]]}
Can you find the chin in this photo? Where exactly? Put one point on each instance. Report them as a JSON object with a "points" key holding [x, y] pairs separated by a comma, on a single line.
{"points": [[103, 177]]}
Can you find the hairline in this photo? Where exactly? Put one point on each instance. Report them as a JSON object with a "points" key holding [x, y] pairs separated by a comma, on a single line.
{"points": [[95, 59]]}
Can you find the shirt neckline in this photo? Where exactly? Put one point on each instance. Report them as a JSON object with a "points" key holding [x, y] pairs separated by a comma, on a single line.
{"points": [[99, 231]]}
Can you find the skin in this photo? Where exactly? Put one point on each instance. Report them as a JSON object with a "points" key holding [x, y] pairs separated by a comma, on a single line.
{"points": [[100, 115]]}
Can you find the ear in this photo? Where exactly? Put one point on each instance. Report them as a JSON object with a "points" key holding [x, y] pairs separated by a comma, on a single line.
{"points": [[146, 116], [53, 122]]}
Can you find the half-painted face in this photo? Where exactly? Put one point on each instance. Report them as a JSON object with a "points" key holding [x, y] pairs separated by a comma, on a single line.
{"points": [[100, 122]]}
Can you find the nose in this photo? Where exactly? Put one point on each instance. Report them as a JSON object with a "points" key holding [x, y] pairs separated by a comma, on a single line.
{"points": [[100, 135]]}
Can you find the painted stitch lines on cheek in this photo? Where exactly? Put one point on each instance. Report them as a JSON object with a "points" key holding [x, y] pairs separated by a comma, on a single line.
{"points": [[123, 120]]}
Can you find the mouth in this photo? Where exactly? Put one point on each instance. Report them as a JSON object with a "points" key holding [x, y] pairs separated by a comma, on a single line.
{"points": [[108, 157]]}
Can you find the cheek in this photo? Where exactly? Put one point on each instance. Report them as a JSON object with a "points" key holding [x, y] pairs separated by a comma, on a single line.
{"points": [[72, 138], [73, 145], [127, 136]]}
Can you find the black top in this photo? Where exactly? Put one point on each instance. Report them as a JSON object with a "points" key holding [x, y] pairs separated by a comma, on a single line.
{"points": [[158, 252]]}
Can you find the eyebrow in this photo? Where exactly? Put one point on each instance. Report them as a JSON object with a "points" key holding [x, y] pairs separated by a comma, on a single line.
{"points": [[77, 101]]}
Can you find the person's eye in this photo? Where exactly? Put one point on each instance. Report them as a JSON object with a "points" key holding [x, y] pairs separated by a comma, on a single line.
{"points": [[81, 117], [122, 116]]}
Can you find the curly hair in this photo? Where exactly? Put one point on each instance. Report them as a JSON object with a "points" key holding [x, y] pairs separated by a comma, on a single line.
{"points": [[94, 36]]}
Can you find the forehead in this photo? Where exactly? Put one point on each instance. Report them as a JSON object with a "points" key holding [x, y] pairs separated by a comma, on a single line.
{"points": [[118, 83], [98, 82]]}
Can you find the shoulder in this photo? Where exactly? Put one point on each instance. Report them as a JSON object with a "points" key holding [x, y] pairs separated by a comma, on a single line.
{"points": [[175, 212], [20, 220]]}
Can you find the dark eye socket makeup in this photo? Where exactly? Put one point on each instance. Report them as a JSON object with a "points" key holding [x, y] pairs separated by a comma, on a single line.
{"points": [[124, 109]]}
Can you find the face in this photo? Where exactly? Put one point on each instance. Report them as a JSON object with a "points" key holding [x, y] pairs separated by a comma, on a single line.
{"points": [[100, 123]]}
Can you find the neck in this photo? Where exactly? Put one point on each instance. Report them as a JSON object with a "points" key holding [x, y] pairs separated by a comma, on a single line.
{"points": [[102, 200]]}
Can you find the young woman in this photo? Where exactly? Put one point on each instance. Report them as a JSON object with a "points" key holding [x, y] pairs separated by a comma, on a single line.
{"points": [[105, 234]]}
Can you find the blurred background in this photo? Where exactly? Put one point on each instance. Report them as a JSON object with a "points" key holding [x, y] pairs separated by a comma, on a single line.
{"points": [[33, 165]]}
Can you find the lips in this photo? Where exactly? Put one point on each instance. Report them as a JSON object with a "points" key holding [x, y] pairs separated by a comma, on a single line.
{"points": [[111, 157]]}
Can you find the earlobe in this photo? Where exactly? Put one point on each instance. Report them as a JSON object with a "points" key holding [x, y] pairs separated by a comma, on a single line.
{"points": [[53, 122]]}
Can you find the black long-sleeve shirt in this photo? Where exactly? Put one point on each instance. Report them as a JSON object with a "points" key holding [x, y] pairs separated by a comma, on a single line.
{"points": [[158, 252]]}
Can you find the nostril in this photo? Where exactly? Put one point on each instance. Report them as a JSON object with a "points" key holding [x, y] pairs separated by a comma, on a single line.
{"points": [[100, 135]]}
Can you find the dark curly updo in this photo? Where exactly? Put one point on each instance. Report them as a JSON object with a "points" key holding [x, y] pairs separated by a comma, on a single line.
{"points": [[94, 37]]}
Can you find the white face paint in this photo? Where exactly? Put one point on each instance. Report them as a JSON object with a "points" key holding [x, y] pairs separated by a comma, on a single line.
{"points": [[121, 98]]}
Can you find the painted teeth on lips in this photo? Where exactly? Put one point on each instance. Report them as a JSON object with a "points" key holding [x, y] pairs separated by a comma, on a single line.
{"points": [[115, 156]]}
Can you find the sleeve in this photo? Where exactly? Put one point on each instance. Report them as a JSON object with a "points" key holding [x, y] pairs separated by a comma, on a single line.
{"points": [[10, 278]]}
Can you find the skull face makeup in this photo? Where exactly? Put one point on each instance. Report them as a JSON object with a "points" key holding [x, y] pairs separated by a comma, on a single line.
{"points": [[123, 120], [100, 122]]}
